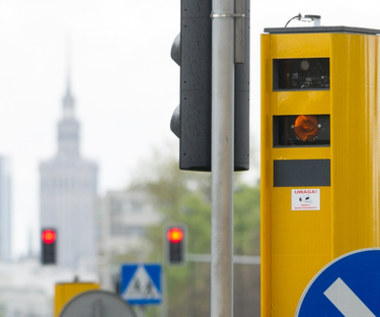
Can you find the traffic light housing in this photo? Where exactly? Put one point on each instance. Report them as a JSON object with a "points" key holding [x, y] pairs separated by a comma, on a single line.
{"points": [[48, 245], [191, 120], [175, 244]]}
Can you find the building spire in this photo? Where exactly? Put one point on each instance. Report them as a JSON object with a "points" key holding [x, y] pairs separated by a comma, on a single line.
{"points": [[68, 99], [68, 126]]}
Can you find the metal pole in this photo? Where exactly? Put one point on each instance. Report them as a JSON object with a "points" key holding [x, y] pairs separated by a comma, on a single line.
{"points": [[140, 311], [237, 259], [164, 305], [222, 158]]}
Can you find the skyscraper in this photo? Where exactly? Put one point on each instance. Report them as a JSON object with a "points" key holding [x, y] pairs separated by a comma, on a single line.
{"points": [[68, 188], [5, 209]]}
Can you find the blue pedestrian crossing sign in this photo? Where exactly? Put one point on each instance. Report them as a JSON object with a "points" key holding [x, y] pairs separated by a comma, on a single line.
{"points": [[141, 284], [349, 286]]}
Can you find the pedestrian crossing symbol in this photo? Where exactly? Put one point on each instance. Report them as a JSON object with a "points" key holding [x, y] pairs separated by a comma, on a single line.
{"points": [[141, 284]]}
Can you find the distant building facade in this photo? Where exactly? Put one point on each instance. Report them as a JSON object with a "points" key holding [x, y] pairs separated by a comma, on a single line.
{"points": [[124, 218], [5, 210], [68, 189]]}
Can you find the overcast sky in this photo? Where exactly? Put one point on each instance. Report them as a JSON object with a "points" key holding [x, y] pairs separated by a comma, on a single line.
{"points": [[125, 84]]}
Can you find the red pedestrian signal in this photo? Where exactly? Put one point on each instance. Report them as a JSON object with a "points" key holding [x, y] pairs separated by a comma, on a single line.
{"points": [[48, 247], [175, 244]]}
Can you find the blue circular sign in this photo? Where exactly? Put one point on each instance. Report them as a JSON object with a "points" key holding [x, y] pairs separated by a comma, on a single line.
{"points": [[349, 286]]}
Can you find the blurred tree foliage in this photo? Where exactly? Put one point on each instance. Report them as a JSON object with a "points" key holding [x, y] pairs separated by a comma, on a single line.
{"points": [[185, 197]]}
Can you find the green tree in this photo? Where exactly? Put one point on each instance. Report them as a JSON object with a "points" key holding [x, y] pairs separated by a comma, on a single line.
{"points": [[247, 242], [184, 197]]}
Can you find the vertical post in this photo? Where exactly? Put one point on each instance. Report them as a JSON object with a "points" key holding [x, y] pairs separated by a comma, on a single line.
{"points": [[140, 310], [164, 305], [222, 158]]}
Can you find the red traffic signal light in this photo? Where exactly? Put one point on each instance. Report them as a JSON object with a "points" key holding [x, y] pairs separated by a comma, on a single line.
{"points": [[48, 248], [48, 236], [175, 244], [175, 235]]}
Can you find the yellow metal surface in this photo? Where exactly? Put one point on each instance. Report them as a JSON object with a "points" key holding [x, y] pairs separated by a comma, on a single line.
{"points": [[297, 244], [64, 292]]}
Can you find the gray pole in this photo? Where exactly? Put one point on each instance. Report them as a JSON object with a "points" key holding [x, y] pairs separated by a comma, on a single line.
{"points": [[222, 158]]}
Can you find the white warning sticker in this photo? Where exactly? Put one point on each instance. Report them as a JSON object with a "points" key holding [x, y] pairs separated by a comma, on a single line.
{"points": [[306, 199]]}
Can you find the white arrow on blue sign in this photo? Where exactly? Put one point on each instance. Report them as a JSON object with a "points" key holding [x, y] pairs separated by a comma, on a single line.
{"points": [[141, 284], [349, 286]]}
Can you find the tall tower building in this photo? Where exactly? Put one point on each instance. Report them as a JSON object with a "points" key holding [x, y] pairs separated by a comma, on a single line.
{"points": [[68, 188], [5, 209]]}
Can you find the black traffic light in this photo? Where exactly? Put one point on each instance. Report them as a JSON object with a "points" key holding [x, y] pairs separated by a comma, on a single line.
{"points": [[175, 244], [191, 121], [48, 245]]}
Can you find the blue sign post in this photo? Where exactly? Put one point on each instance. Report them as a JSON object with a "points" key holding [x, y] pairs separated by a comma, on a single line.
{"points": [[349, 286], [141, 284]]}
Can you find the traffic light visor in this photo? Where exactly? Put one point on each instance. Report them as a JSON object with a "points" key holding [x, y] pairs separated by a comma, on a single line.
{"points": [[306, 127], [48, 236], [175, 235]]}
